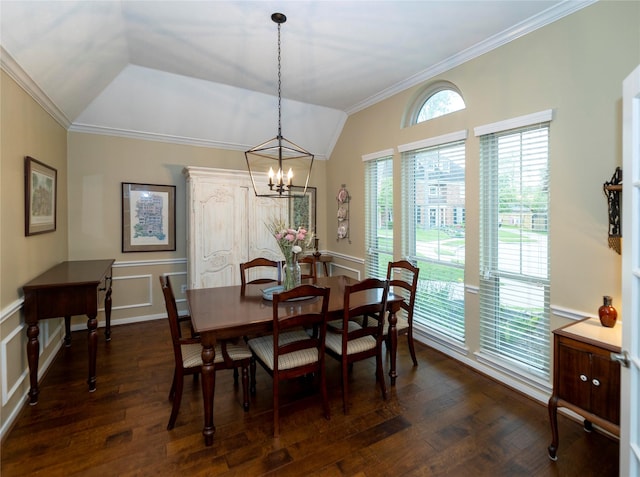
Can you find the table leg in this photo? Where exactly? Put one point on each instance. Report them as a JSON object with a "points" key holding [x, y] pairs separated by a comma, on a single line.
{"points": [[393, 337], [67, 331], [33, 351], [92, 327], [553, 418], [208, 385], [107, 309]]}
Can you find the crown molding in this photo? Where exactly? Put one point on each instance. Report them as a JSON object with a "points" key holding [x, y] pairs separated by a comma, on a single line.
{"points": [[544, 18], [20, 76], [169, 138]]}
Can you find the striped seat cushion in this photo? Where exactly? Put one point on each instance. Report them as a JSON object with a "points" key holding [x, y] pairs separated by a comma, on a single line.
{"points": [[192, 354], [334, 340], [263, 348]]}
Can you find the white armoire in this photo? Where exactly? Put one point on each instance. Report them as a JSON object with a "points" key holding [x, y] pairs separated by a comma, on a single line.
{"points": [[227, 225]]}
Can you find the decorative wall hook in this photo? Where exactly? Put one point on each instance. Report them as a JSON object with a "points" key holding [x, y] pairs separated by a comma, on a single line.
{"points": [[613, 191]]}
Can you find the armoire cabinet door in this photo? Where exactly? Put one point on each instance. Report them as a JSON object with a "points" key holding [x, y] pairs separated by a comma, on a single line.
{"points": [[261, 241], [227, 225]]}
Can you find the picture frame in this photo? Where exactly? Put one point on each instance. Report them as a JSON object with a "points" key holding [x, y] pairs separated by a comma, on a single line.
{"points": [[41, 197], [302, 208], [148, 217]]}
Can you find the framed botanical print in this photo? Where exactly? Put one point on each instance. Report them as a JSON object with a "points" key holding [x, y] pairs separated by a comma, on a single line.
{"points": [[148, 217], [302, 208], [41, 188]]}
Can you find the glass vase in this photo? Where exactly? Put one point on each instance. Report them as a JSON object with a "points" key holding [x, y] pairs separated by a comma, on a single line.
{"points": [[291, 277]]}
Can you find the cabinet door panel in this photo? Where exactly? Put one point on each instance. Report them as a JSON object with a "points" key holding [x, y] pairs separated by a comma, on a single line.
{"points": [[222, 224], [264, 211], [574, 377], [605, 397]]}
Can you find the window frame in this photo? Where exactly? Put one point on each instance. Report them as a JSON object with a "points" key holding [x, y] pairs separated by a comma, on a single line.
{"points": [[411, 118], [424, 314], [375, 254], [493, 350]]}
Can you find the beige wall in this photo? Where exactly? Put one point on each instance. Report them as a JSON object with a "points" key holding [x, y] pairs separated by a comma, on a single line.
{"points": [[27, 130], [97, 166], [574, 66]]}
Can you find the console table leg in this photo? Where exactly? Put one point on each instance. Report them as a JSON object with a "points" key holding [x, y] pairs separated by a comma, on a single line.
{"points": [[92, 325], [107, 310], [67, 331], [33, 350]]}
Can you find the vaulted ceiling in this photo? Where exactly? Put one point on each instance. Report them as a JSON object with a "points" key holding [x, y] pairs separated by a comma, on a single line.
{"points": [[205, 72]]}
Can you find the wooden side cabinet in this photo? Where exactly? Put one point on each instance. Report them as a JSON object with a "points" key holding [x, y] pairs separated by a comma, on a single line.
{"points": [[585, 378]]}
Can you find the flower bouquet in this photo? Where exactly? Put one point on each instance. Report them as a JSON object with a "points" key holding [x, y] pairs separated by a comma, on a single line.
{"points": [[292, 242]]}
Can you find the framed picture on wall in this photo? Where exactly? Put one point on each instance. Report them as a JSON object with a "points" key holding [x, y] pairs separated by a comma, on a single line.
{"points": [[41, 185], [148, 217], [302, 208]]}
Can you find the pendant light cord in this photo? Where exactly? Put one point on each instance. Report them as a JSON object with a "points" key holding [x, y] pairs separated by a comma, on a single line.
{"points": [[279, 88]]}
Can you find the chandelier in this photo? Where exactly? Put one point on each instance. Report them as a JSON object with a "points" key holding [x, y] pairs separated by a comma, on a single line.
{"points": [[278, 157]]}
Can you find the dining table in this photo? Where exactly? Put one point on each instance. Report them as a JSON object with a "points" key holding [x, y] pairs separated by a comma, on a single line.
{"points": [[221, 313]]}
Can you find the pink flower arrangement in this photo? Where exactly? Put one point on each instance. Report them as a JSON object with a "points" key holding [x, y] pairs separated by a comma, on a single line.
{"points": [[291, 241]]}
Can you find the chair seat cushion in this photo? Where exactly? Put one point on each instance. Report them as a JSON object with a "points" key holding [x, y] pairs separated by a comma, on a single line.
{"points": [[192, 354], [337, 324], [334, 340], [263, 348]]}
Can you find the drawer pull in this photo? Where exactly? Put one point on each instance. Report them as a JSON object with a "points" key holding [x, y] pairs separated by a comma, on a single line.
{"points": [[596, 382], [583, 378]]}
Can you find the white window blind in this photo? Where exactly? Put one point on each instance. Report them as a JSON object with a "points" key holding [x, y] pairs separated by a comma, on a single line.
{"points": [[514, 246], [378, 215], [434, 216]]}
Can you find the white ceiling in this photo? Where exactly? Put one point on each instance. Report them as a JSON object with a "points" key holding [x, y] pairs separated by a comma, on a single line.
{"points": [[205, 72]]}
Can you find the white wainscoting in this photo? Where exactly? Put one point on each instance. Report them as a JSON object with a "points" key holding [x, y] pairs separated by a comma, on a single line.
{"points": [[52, 331]]}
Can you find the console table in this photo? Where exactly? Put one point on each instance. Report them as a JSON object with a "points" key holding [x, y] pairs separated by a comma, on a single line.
{"points": [[585, 377], [66, 290]]}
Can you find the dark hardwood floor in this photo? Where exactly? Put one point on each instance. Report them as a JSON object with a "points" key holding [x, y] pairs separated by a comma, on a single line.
{"points": [[442, 418]]}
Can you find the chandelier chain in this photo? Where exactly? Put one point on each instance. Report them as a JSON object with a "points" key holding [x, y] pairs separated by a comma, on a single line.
{"points": [[279, 88]]}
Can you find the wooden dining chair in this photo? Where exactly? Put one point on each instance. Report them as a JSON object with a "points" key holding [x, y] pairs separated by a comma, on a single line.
{"points": [[187, 353], [403, 277], [308, 265], [290, 351], [260, 264], [348, 341]]}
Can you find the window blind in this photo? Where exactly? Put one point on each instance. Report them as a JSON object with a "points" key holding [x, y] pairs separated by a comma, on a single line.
{"points": [[514, 246], [378, 215], [434, 216]]}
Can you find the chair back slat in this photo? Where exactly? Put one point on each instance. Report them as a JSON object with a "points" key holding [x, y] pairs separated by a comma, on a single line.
{"points": [[406, 284], [284, 321], [366, 298], [308, 267], [246, 269], [172, 315]]}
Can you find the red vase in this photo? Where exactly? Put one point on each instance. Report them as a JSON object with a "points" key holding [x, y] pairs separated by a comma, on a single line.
{"points": [[607, 313]]}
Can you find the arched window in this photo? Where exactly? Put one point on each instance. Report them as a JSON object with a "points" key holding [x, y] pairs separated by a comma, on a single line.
{"points": [[434, 101]]}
